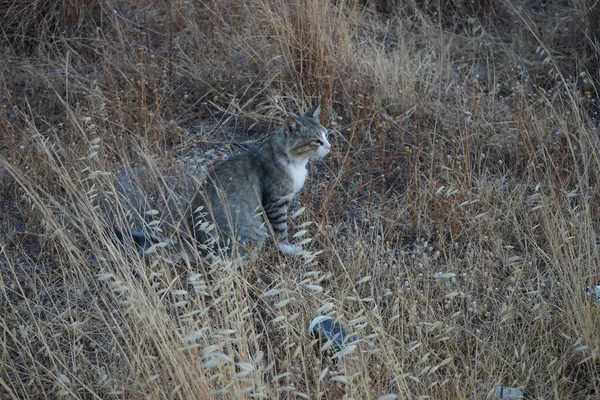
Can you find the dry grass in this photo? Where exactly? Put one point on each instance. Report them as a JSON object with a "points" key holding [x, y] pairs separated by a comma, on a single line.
{"points": [[454, 225]]}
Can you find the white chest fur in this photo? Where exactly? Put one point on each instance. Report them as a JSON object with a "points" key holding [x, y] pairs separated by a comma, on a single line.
{"points": [[298, 173]]}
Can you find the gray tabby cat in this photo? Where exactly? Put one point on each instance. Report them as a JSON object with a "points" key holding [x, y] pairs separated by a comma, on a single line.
{"points": [[247, 197]]}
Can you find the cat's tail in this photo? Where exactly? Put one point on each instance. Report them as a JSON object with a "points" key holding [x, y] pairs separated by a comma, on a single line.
{"points": [[143, 241]]}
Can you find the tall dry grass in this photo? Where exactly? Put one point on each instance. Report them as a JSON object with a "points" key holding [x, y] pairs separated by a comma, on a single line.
{"points": [[454, 226]]}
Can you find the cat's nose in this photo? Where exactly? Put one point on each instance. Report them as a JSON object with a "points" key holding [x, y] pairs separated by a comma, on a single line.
{"points": [[327, 146]]}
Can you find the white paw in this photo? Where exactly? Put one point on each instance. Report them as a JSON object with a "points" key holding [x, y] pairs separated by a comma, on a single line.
{"points": [[288, 248]]}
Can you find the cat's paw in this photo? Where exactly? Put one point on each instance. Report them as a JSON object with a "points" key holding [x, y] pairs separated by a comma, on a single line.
{"points": [[288, 248]]}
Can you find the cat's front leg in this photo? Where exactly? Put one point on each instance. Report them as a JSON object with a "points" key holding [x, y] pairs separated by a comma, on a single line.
{"points": [[277, 213]]}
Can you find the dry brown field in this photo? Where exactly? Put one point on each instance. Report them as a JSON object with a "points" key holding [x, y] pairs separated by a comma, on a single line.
{"points": [[454, 225]]}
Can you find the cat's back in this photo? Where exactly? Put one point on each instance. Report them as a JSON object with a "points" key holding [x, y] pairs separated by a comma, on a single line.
{"points": [[238, 182], [243, 169], [256, 168]]}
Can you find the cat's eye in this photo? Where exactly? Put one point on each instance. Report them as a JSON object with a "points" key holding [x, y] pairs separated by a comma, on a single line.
{"points": [[318, 141]]}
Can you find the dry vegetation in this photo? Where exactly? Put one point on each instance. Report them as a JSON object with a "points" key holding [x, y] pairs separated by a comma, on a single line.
{"points": [[455, 222]]}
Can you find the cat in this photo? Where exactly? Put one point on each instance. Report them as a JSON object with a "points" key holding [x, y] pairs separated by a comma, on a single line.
{"points": [[247, 197]]}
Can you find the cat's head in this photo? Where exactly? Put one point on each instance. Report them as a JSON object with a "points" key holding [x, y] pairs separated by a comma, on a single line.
{"points": [[305, 136]]}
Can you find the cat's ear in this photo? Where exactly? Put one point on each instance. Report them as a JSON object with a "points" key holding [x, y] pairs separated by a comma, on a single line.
{"points": [[314, 112], [291, 124]]}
